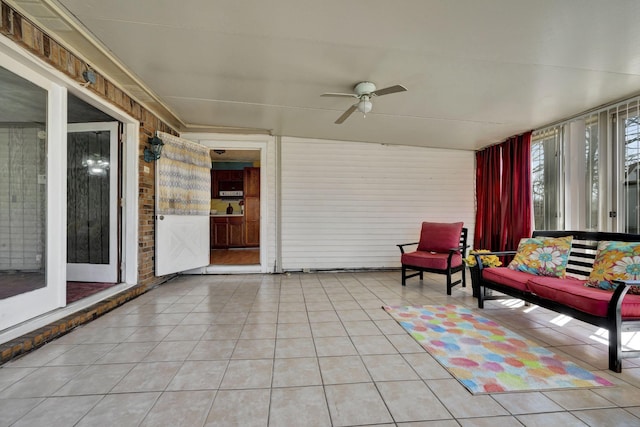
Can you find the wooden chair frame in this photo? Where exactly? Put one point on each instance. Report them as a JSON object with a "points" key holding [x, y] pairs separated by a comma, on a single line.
{"points": [[449, 271]]}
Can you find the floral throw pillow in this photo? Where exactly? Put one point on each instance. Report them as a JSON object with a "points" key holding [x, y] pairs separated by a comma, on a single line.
{"points": [[542, 256], [615, 261]]}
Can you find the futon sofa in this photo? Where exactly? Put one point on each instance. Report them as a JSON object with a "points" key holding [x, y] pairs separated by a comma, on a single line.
{"points": [[616, 311]]}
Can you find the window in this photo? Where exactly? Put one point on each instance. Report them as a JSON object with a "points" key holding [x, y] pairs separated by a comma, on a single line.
{"points": [[629, 137], [592, 183], [586, 171], [546, 182]]}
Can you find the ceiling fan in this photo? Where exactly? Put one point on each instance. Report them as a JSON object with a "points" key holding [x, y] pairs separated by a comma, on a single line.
{"points": [[364, 93]]}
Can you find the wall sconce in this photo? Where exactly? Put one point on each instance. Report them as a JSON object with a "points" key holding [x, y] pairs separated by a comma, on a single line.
{"points": [[89, 77], [152, 153]]}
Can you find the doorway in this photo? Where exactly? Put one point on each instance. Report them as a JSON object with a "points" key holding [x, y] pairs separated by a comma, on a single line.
{"points": [[92, 194], [235, 207]]}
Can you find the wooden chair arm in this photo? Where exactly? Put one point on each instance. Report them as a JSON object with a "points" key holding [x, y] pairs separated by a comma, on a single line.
{"points": [[401, 246], [498, 253]]}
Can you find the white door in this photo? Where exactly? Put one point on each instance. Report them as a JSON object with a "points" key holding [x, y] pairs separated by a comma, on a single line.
{"points": [[182, 243], [182, 240], [92, 202]]}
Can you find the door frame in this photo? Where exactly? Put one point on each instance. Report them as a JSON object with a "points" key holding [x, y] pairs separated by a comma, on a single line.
{"points": [[255, 143], [109, 273], [128, 174]]}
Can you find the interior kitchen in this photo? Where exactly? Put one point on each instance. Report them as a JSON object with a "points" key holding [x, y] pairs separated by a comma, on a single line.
{"points": [[235, 207]]}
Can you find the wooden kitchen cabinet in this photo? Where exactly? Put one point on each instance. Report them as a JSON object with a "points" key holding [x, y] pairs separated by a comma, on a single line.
{"points": [[252, 207], [251, 182], [219, 232], [212, 234], [227, 232], [214, 187], [236, 231], [252, 221], [226, 176], [229, 175]]}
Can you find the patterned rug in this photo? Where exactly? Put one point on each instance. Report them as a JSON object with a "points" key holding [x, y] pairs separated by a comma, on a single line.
{"points": [[484, 356]]}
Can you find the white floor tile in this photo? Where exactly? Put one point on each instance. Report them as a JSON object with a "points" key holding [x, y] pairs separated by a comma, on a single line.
{"points": [[297, 349]]}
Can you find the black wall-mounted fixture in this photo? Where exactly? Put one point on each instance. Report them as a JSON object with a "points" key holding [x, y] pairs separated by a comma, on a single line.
{"points": [[89, 76], [152, 153]]}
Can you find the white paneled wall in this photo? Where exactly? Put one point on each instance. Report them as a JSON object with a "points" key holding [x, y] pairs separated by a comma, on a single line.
{"points": [[346, 205]]}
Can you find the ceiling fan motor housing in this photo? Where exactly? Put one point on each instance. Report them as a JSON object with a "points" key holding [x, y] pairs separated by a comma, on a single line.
{"points": [[364, 88]]}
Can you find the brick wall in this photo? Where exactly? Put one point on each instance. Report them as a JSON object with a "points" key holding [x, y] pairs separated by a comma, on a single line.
{"points": [[19, 29]]}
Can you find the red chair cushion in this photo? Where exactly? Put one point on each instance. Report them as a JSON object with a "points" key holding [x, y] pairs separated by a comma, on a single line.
{"points": [[573, 293], [437, 261], [508, 277], [439, 237]]}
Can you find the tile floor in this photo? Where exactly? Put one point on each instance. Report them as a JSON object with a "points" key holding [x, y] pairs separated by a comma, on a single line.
{"points": [[292, 350]]}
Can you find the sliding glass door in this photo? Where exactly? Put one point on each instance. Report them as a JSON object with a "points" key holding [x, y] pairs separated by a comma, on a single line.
{"points": [[29, 277]]}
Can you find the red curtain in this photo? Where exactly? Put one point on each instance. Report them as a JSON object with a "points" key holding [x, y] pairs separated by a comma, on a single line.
{"points": [[503, 192], [488, 172]]}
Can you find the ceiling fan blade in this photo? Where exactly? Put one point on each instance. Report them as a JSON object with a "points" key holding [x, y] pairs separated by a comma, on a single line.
{"points": [[341, 95], [389, 90], [346, 114]]}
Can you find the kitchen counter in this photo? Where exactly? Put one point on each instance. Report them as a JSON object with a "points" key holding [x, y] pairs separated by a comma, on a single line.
{"points": [[226, 215]]}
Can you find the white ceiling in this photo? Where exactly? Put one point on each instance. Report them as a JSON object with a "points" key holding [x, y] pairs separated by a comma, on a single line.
{"points": [[476, 71]]}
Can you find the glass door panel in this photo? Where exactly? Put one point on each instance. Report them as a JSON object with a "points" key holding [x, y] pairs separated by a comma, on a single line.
{"points": [[23, 172], [92, 202]]}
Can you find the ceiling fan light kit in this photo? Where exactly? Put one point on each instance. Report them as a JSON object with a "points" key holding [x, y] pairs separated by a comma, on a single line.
{"points": [[364, 92], [364, 106]]}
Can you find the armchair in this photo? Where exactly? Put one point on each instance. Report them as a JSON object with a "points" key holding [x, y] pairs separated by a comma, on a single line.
{"points": [[441, 249]]}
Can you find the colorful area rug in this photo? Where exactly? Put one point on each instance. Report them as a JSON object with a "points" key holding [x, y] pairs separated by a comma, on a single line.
{"points": [[484, 356]]}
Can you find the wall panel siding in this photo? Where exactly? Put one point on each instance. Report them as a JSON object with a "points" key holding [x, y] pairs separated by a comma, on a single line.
{"points": [[22, 198], [346, 205]]}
